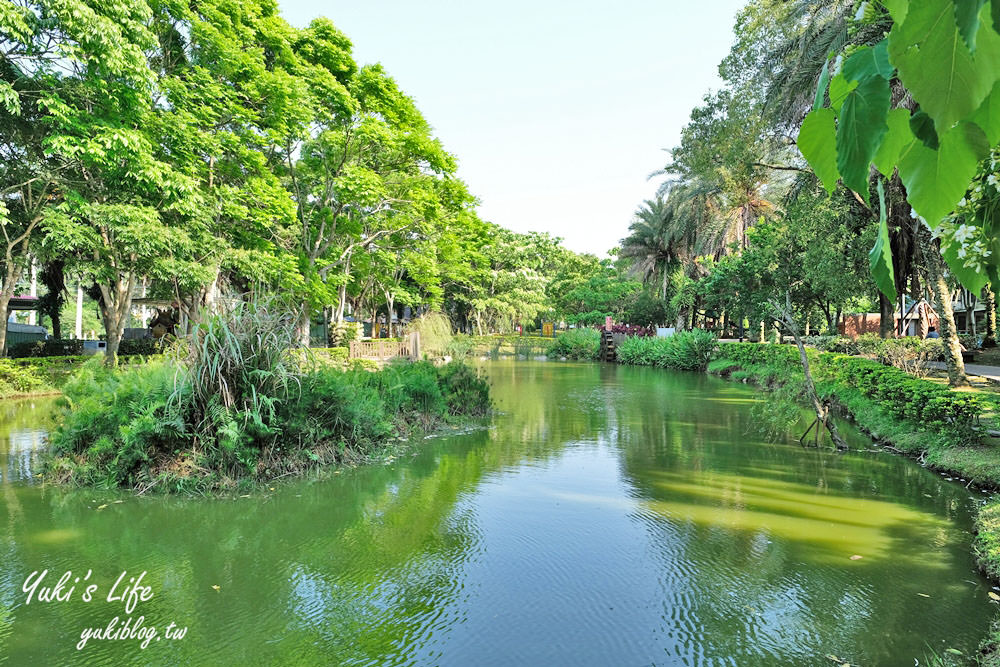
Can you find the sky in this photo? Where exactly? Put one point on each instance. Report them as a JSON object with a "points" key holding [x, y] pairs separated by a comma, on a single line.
{"points": [[557, 111]]}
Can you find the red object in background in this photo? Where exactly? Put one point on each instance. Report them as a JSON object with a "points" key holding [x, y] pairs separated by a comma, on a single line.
{"points": [[630, 330]]}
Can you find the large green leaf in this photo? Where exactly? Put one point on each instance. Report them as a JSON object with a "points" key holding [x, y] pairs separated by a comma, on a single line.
{"points": [[922, 127], [818, 143], [970, 278], [988, 116], [862, 126], [897, 9], [936, 180], [868, 62], [898, 136], [967, 20], [936, 65], [840, 87], [824, 81], [880, 257]]}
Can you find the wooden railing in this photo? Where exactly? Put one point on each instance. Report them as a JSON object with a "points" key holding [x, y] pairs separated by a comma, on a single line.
{"points": [[383, 350]]}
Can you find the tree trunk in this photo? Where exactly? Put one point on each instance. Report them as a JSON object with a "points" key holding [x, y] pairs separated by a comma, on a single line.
{"points": [[887, 316], [389, 312], [5, 296], [305, 319], [991, 317], [946, 317], [822, 410], [33, 291], [338, 315], [970, 313], [78, 329], [116, 303]]}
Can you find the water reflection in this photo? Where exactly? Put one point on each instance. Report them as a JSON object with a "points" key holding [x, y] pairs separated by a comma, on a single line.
{"points": [[24, 427], [608, 516]]}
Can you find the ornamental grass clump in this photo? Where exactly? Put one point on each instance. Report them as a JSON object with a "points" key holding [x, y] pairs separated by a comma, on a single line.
{"points": [[685, 351]]}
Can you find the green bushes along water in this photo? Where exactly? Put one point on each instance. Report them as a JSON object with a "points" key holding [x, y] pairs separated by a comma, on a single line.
{"points": [[577, 344], [686, 350]]}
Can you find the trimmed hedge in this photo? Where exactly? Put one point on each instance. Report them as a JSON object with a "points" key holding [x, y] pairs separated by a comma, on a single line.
{"points": [[53, 347], [901, 395], [143, 346]]}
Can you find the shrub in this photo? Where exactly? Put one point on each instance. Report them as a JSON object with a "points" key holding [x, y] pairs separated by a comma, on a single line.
{"points": [[460, 347], [141, 346], [686, 350], [343, 332], [868, 344], [465, 392], [369, 365], [435, 333], [577, 344], [335, 357], [910, 354], [52, 347], [19, 379]]}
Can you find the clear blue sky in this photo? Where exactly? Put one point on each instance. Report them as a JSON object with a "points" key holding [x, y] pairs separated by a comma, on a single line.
{"points": [[557, 111]]}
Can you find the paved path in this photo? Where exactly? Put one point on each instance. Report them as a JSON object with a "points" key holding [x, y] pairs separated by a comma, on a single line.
{"points": [[988, 372]]}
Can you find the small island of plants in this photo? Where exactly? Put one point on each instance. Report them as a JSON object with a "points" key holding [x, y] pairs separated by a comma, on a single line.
{"points": [[239, 404]]}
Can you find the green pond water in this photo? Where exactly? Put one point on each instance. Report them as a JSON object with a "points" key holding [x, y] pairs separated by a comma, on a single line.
{"points": [[607, 516]]}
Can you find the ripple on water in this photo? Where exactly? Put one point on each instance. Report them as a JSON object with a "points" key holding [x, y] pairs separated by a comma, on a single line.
{"points": [[609, 516]]}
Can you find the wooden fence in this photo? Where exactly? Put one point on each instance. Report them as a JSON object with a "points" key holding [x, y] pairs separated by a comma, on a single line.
{"points": [[384, 350]]}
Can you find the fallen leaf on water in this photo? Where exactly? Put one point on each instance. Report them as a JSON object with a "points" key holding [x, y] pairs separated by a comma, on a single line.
{"points": [[923, 595], [100, 507], [994, 596], [856, 557], [954, 651], [215, 587]]}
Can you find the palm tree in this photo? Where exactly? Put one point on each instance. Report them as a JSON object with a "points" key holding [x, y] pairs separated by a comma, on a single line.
{"points": [[649, 247], [794, 41]]}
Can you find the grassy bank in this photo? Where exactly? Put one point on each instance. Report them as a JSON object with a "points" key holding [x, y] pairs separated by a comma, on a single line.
{"points": [[239, 405], [941, 427]]}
